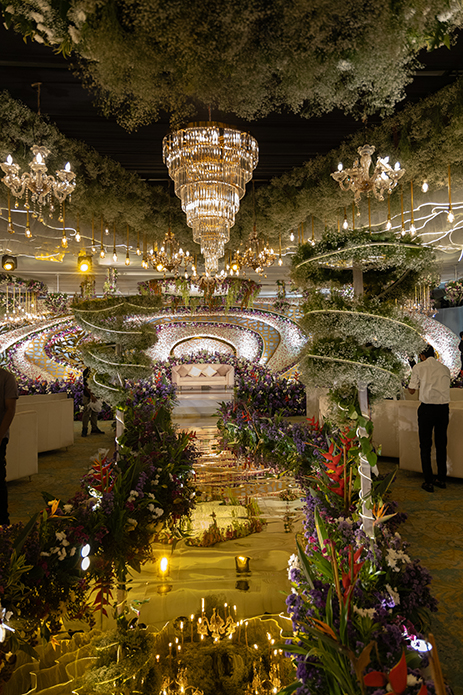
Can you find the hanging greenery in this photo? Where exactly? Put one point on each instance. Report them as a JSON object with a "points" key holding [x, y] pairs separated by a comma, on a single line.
{"points": [[118, 354], [391, 266], [248, 58], [361, 339], [420, 134]]}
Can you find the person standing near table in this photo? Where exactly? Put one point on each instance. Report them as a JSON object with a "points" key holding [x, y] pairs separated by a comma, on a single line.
{"points": [[432, 378], [8, 398]]}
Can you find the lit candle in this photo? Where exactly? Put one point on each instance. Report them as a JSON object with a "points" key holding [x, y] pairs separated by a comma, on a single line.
{"points": [[246, 632], [170, 652], [202, 606], [181, 628], [192, 617]]}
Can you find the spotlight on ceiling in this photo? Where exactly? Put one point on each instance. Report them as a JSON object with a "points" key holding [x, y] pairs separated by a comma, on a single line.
{"points": [[84, 264], [9, 263]]}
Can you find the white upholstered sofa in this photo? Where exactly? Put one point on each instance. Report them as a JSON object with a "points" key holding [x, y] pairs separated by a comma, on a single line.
{"points": [[203, 374]]}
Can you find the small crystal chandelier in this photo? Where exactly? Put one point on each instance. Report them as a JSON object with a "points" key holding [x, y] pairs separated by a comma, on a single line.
{"points": [[357, 179], [258, 255], [210, 164], [37, 185], [169, 257]]}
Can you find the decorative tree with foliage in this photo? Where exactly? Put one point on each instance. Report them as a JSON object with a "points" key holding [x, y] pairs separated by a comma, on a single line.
{"points": [[360, 336], [123, 334]]}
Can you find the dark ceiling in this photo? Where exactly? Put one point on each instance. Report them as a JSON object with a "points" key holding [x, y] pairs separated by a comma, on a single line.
{"points": [[285, 140]]}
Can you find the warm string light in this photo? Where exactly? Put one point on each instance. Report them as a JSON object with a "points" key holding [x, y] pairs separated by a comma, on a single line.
{"points": [[127, 256], [402, 210], [450, 215], [388, 223], [345, 224], [102, 251], [78, 237], [93, 234], [64, 241], [10, 229], [412, 220], [114, 244], [27, 231]]}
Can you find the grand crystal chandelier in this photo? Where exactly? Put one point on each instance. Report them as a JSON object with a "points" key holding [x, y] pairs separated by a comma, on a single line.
{"points": [[357, 179], [38, 186], [210, 164]]}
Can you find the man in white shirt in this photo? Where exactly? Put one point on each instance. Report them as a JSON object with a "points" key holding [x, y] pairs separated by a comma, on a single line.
{"points": [[433, 380]]}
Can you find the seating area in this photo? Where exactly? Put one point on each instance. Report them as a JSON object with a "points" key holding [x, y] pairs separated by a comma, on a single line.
{"points": [[195, 376], [43, 422]]}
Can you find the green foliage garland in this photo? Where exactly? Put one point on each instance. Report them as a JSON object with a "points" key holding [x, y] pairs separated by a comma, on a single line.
{"points": [[121, 354], [359, 340], [245, 57]]}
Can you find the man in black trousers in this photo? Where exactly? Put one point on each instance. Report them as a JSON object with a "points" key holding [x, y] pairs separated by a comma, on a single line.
{"points": [[432, 378]]}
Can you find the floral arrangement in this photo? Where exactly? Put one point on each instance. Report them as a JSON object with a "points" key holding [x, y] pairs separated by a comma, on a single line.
{"points": [[281, 304], [57, 302], [454, 292], [29, 285], [110, 284], [224, 292], [268, 441], [112, 519], [106, 39], [255, 384], [358, 604]]}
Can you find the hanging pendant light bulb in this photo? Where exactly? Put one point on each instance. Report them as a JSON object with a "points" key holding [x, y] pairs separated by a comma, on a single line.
{"points": [[424, 186], [345, 224], [450, 215], [102, 251], [138, 252], [77, 237], [114, 245], [412, 220], [64, 241], [127, 256], [389, 222], [93, 235], [27, 231], [291, 236]]}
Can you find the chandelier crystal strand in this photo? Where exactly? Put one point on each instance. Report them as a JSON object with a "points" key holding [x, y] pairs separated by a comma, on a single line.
{"points": [[210, 164]]}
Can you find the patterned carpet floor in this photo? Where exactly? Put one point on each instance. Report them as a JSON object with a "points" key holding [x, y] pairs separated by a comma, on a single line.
{"points": [[434, 530]]}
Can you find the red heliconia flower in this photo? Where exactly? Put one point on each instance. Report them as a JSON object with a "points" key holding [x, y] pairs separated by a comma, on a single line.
{"points": [[397, 678]]}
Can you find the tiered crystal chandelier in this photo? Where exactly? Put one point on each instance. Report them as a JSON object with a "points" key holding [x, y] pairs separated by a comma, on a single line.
{"points": [[210, 164], [357, 179], [38, 186]]}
